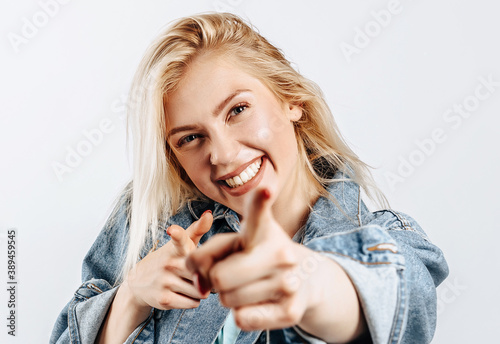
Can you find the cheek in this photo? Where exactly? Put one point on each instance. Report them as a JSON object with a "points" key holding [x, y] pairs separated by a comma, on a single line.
{"points": [[199, 176], [263, 134], [268, 129], [281, 135], [191, 166]]}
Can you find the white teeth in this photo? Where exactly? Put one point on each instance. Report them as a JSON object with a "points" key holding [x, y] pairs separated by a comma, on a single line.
{"points": [[250, 173], [244, 176]]}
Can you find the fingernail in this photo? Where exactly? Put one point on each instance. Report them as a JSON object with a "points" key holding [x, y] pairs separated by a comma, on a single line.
{"points": [[266, 194], [207, 211], [168, 230]]}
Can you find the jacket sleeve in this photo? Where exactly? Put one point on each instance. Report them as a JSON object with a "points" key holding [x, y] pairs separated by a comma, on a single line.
{"points": [[395, 270], [81, 318]]}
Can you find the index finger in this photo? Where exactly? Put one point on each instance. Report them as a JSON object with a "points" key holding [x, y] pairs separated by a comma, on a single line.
{"points": [[201, 260], [257, 217], [214, 250]]}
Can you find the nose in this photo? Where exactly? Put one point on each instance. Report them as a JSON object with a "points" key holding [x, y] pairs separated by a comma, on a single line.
{"points": [[223, 150]]}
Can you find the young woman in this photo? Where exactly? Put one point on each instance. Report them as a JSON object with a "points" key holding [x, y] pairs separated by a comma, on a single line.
{"points": [[244, 221]]}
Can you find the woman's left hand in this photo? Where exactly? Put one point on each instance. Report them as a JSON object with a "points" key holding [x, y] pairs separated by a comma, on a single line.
{"points": [[267, 280]]}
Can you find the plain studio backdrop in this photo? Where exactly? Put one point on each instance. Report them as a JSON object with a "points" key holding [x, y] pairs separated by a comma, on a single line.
{"points": [[413, 85]]}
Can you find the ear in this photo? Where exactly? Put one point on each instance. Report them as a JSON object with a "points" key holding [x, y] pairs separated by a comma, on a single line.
{"points": [[294, 112]]}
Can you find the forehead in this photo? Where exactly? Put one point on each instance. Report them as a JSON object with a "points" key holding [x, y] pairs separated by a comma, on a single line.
{"points": [[208, 70], [208, 79]]}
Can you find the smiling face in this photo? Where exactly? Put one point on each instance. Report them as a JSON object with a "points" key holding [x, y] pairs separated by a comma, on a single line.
{"points": [[231, 134]]}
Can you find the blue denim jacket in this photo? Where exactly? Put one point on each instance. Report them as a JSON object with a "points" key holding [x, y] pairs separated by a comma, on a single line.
{"points": [[390, 260]]}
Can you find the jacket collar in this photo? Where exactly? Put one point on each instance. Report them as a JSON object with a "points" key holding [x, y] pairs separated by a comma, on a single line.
{"points": [[341, 211]]}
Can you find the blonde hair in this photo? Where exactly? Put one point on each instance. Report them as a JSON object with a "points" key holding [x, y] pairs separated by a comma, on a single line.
{"points": [[160, 187]]}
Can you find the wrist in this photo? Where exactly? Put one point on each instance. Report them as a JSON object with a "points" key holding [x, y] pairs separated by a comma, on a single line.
{"points": [[319, 280], [334, 312], [124, 315], [128, 299]]}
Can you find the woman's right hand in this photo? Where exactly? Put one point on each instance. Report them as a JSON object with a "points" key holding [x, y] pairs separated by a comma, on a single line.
{"points": [[161, 279]]}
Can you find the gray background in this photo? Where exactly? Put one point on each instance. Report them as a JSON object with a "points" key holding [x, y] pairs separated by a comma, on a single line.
{"points": [[71, 76]]}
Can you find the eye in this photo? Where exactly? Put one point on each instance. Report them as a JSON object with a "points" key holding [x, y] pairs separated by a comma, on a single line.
{"points": [[238, 109], [187, 139]]}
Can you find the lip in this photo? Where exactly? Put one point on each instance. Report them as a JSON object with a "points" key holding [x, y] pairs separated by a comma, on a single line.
{"points": [[238, 170], [243, 189]]}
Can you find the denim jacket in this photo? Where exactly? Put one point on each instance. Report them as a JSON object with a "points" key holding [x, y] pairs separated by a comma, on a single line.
{"points": [[390, 260]]}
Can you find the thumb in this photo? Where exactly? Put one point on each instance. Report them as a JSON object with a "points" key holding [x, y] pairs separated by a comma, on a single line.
{"points": [[200, 227], [257, 218], [180, 240]]}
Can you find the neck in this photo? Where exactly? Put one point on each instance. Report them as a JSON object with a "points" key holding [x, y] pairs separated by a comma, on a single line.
{"points": [[293, 205]]}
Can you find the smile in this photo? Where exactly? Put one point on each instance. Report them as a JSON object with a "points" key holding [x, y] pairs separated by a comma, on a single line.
{"points": [[244, 176]]}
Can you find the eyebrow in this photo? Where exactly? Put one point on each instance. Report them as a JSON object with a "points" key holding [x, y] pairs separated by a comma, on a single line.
{"points": [[179, 129], [215, 112], [223, 103]]}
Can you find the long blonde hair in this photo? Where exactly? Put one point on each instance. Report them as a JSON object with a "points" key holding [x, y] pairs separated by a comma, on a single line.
{"points": [[160, 187]]}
